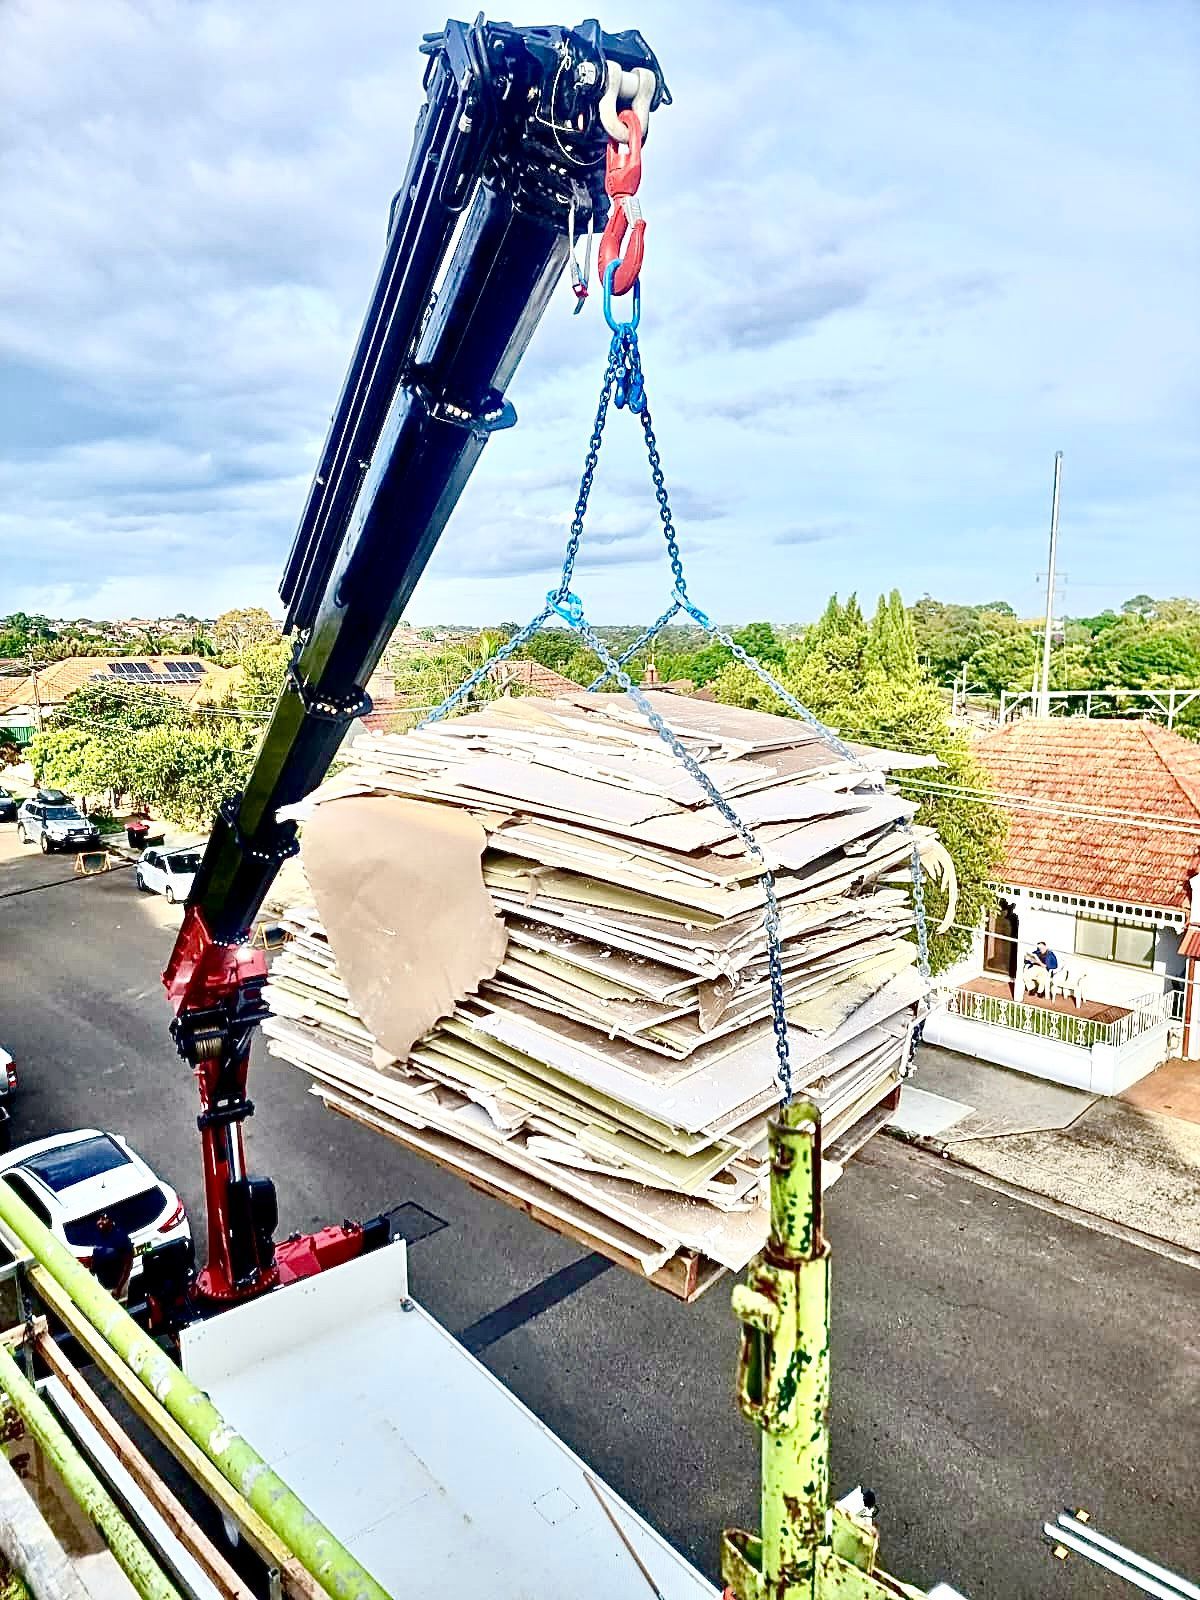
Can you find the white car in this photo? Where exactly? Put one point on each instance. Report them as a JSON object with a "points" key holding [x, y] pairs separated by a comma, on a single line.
{"points": [[73, 1179], [168, 872]]}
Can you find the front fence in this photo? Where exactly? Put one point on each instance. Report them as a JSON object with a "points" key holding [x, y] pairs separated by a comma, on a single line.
{"points": [[1042, 1022]]}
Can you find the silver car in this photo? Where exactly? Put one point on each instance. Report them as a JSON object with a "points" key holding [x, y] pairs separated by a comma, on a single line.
{"points": [[55, 825]]}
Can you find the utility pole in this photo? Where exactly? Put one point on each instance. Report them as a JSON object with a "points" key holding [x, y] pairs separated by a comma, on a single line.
{"points": [[1044, 696]]}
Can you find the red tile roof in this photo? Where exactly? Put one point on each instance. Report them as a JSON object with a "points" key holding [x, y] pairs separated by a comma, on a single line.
{"points": [[1078, 763], [1189, 945], [534, 678]]}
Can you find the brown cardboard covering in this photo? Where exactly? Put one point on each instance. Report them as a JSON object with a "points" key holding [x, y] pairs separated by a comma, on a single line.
{"points": [[399, 886]]}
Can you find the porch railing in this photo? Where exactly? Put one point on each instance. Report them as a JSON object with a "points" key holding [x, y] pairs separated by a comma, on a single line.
{"points": [[1042, 1022]]}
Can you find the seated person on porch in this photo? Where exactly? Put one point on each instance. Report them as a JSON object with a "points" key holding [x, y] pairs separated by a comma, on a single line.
{"points": [[1043, 958]]}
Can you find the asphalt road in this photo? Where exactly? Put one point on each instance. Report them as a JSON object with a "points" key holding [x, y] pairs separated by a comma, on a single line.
{"points": [[992, 1363]]}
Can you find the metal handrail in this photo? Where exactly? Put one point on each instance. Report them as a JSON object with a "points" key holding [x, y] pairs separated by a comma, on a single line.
{"points": [[1044, 1022]]}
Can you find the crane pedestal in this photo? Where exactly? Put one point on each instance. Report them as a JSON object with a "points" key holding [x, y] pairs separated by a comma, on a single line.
{"points": [[807, 1549]]}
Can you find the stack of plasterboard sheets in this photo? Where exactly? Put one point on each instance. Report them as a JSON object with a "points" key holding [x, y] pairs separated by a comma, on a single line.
{"points": [[613, 1071]]}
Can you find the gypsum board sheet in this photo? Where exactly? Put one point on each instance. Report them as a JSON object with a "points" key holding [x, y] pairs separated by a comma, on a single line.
{"points": [[552, 1206], [307, 973], [332, 1052], [824, 1014], [305, 1008], [682, 1036], [793, 848], [685, 1171], [626, 870], [648, 773], [692, 1101], [795, 802], [726, 1190], [845, 1116], [802, 848], [561, 1110], [675, 830], [659, 1135], [837, 869], [613, 1016], [675, 903], [619, 971], [752, 731], [706, 954], [635, 1075], [731, 1238], [677, 1034], [525, 1076], [699, 944], [287, 996], [852, 1082], [534, 787], [585, 850]]}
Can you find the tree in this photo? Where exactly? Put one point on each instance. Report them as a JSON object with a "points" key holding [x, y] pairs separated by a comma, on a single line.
{"points": [[1004, 661], [1142, 605], [235, 630], [891, 648], [900, 709], [584, 666], [551, 646], [263, 667], [25, 635], [759, 639], [425, 678]]}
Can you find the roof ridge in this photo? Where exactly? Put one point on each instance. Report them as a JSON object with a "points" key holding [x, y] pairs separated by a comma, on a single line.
{"points": [[1188, 786]]}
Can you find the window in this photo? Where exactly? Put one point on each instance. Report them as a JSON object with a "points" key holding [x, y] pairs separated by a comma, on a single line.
{"points": [[24, 1191], [65, 1165], [1107, 939], [131, 1215], [1134, 945]]}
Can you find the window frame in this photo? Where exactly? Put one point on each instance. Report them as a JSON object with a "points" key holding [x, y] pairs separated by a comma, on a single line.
{"points": [[1114, 925]]}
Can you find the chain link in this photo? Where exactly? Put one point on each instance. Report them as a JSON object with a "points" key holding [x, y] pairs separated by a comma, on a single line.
{"points": [[572, 613], [464, 690], [639, 644], [612, 373], [624, 385]]}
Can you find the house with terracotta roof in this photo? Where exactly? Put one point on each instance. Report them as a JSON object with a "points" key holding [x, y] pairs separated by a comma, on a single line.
{"points": [[1102, 863], [531, 677], [25, 702]]}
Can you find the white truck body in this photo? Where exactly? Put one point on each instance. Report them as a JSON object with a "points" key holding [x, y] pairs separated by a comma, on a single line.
{"points": [[428, 1469]]}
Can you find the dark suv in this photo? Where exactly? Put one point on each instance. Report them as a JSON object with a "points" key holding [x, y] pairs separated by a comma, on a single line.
{"points": [[56, 824], [8, 807]]}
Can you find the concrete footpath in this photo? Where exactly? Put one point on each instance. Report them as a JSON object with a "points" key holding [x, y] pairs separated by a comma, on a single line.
{"points": [[1130, 1160]]}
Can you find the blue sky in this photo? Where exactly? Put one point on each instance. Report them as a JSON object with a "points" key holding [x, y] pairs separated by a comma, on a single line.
{"points": [[896, 256]]}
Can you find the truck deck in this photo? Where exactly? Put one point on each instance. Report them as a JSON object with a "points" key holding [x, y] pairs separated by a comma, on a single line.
{"points": [[427, 1468]]}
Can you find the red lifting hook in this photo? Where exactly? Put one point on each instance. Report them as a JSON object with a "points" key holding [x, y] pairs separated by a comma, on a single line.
{"points": [[622, 175]]}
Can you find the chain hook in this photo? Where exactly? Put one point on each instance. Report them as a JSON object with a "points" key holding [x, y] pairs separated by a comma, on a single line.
{"points": [[622, 176]]}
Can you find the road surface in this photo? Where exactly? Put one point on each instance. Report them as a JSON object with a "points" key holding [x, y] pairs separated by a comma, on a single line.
{"points": [[991, 1363]]}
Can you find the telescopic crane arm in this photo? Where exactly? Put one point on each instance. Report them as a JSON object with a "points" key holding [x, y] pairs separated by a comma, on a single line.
{"points": [[509, 146]]}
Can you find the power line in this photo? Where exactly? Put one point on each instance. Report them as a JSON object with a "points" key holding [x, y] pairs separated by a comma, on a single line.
{"points": [[1063, 810]]}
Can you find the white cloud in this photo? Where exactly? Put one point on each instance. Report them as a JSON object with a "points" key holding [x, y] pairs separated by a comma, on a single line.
{"points": [[895, 258]]}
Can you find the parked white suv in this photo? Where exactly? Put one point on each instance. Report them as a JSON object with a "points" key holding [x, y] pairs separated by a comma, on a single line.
{"points": [[168, 872], [72, 1180]]}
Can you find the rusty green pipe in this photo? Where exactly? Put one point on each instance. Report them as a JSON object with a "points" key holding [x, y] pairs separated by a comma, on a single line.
{"points": [[317, 1550], [783, 1370], [84, 1487]]}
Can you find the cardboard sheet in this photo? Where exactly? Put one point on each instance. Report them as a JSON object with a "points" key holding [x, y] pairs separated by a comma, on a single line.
{"points": [[399, 886]]}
